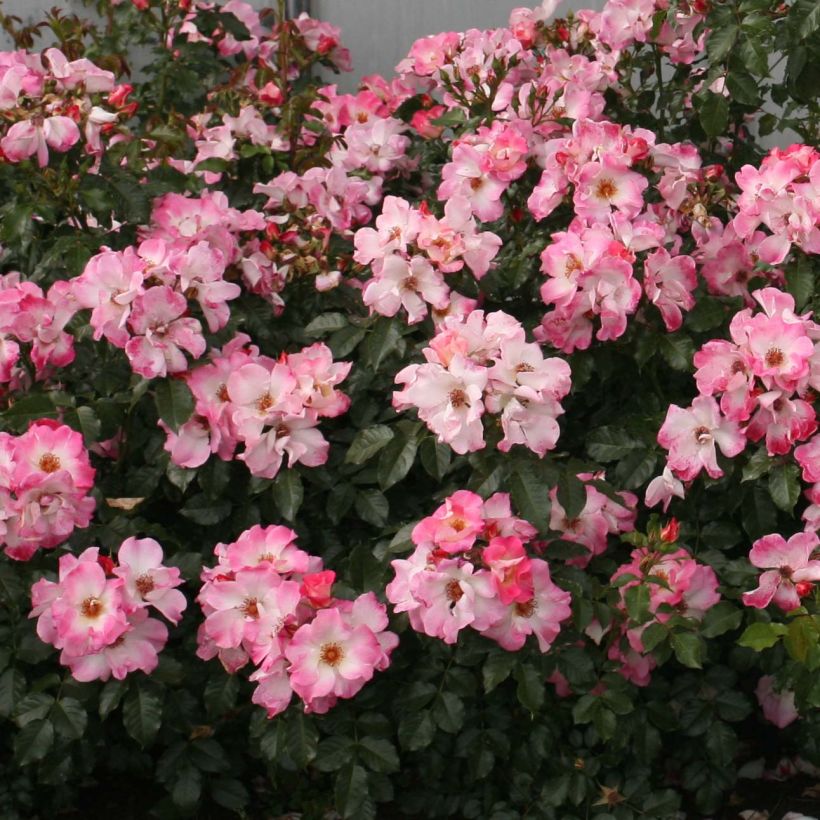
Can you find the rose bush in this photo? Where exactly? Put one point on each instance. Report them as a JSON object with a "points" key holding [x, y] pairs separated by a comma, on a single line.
{"points": [[518, 342]]}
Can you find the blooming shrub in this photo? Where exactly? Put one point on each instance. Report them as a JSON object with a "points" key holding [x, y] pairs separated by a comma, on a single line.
{"points": [[475, 409]]}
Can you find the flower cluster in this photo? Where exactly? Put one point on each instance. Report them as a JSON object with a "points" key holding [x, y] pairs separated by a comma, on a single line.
{"points": [[677, 585], [409, 251], [271, 406], [600, 517], [45, 477], [97, 613], [590, 267], [470, 568], [764, 378], [782, 194], [48, 100], [479, 364], [269, 602], [30, 317], [139, 298]]}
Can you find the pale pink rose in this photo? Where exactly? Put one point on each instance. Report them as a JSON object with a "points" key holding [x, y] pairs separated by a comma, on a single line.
{"points": [[161, 333], [329, 658], [410, 284], [691, 435], [778, 705], [453, 597], [26, 138], [789, 565], [88, 614], [540, 615], [663, 489], [669, 283], [454, 526], [146, 581], [49, 447], [137, 649]]}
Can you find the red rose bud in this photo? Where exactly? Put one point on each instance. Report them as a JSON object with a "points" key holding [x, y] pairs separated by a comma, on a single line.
{"points": [[804, 588], [670, 533], [316, 587], [106, 563]]}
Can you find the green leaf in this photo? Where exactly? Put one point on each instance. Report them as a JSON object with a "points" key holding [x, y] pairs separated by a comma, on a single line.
{"points": [[70, 718], [530, 688], [220, 693], [288, 493], [402, 541], [34, 706], [397, 459], [653, 636], [677, 349], [784, 485], [333, 753], [720, 619], [416, 731], [530, 495], [205, 511], [611, 444], [636, 469], [758, 465], [12, 688], [84, 420], [230, 793], [27, 409], [326, 323], [345, 341], [448, 711], [637, 603], [707, 314], [174, 402], [435, 458], [381, 342], [760, 636], [187, 786], [416, 696], [804, 17], [450, 119], [33, 742], [689, 649], [351, 791], [372, 507], [339, 501], [721, 41], [721, 743], [713, 113], [585, 708], [111, 695], [142, 713], [759, 513], [800, 638], [379, 754], [367, 443], [572, 494], [497, 668], [800, 282], [303, 739], [743, 88]]}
